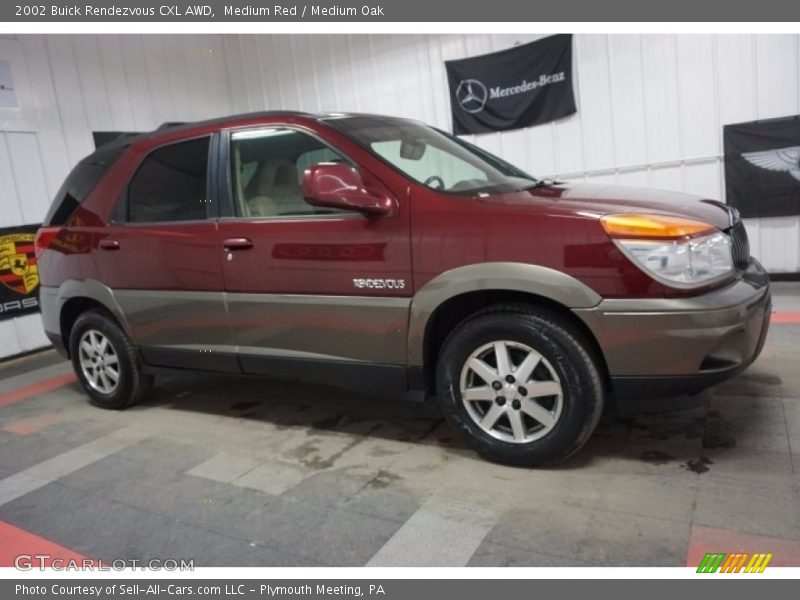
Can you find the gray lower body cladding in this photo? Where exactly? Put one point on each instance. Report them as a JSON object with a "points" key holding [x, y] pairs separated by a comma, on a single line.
{"points": [[667, 347], [653, 348], [356, 341]]}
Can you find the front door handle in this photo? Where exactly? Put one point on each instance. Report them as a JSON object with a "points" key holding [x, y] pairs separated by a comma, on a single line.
{"points": [[237, 244], [109, 244]]}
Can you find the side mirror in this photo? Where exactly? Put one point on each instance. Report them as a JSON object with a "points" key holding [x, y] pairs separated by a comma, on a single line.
{"points": [[339, 185]]}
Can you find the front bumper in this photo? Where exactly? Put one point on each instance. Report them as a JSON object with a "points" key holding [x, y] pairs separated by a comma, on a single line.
{"points": [[666, 347]]}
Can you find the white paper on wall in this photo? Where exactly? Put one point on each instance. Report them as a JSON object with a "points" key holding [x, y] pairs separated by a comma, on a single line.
{"points": [[8, 96]]}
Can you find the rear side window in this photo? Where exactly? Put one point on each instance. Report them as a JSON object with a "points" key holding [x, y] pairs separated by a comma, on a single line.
{"points": [[80, 183], [171, 184]]}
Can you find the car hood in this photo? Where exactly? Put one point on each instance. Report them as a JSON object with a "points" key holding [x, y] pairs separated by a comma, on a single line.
{"points": [[599, 199]]}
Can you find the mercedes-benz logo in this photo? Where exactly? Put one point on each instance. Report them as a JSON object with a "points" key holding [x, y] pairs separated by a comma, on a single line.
{"points": [[471, 95]]}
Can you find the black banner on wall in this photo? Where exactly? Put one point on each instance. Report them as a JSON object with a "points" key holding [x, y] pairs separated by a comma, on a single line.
{"points": [[519, 87], [762, 167], [19, 273]]}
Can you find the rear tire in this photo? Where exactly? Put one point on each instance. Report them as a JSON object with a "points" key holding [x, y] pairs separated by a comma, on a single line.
{"points": [[533, 393], [106, 363]]}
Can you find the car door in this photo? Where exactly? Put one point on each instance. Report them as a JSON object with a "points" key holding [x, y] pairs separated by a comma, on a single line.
{"points": [[159, 257], [320, 294]]}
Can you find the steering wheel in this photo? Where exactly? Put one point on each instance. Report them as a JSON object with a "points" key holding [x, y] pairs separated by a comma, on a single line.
{"points": [[434, 179]]}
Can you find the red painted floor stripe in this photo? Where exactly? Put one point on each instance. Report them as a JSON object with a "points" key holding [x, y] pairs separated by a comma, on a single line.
{"points": [[39, 387], [30, 425], [785, 317], [15, 541]]}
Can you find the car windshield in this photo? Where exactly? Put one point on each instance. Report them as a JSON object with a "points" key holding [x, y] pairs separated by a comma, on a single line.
{"points": [[435, 159]]}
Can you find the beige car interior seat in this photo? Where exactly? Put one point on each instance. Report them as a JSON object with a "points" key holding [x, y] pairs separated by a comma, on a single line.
{"points": [[277, 191]]}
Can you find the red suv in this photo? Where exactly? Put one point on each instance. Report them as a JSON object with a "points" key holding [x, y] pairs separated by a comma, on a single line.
{"points": [[380, 252]]}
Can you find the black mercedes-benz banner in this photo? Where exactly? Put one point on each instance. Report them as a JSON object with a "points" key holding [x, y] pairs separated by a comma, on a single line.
{"points": [[762, 167], [519, 87], [19, 274]]}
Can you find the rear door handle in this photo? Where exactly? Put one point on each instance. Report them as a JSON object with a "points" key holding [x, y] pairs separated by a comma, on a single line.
{"points": [[237, 244], [109, 244]]}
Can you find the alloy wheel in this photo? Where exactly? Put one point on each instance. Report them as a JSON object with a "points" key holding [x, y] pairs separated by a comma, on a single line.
{"points": [[99, 362], [511, 392]]}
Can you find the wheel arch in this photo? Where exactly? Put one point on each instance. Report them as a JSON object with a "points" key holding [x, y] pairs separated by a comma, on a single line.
{"points": [[455, 295], [76, 297]]}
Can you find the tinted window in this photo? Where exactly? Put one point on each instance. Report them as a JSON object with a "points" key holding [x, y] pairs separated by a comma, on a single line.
{"points": [[80, 182], [267, 170], [170, 185]]}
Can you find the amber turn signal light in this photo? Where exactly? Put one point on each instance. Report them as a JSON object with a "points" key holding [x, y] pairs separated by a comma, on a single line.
{"points": [[653, 226]]}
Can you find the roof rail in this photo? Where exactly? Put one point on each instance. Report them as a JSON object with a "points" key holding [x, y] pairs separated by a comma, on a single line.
{"points": [[168, 124]]}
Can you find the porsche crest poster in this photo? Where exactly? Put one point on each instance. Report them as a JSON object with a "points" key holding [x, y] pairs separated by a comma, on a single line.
{"points": [[19, 273]]}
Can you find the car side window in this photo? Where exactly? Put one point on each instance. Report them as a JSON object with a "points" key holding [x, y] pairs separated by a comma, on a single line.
{"points": [[171, 184], [267, 167]]}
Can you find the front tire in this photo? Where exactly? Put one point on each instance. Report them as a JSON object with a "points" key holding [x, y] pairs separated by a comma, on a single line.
{"points": [[106, 363], [520, 386]]}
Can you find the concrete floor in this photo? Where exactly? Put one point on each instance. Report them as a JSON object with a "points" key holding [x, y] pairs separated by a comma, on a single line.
{"points": [[249, 472]]}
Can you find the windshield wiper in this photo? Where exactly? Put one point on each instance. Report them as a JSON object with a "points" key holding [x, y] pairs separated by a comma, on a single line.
{"points": [[537, 184]]}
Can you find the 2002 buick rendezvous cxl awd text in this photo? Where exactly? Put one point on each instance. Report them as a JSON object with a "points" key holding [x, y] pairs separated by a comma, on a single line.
{"points": [[383, 253]]}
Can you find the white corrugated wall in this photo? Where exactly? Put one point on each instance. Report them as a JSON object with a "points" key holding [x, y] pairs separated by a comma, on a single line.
{"points": [[69, 86], [650, 107]]}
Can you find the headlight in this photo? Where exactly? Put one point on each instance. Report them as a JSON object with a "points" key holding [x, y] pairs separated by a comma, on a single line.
{"points": [[677, 252]]}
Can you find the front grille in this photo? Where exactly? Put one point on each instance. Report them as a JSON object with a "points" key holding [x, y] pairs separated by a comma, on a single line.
{"points": [[740, 246]]}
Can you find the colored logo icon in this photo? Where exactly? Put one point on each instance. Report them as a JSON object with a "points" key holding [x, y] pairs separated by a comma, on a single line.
{"points": [[739, 562]]}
